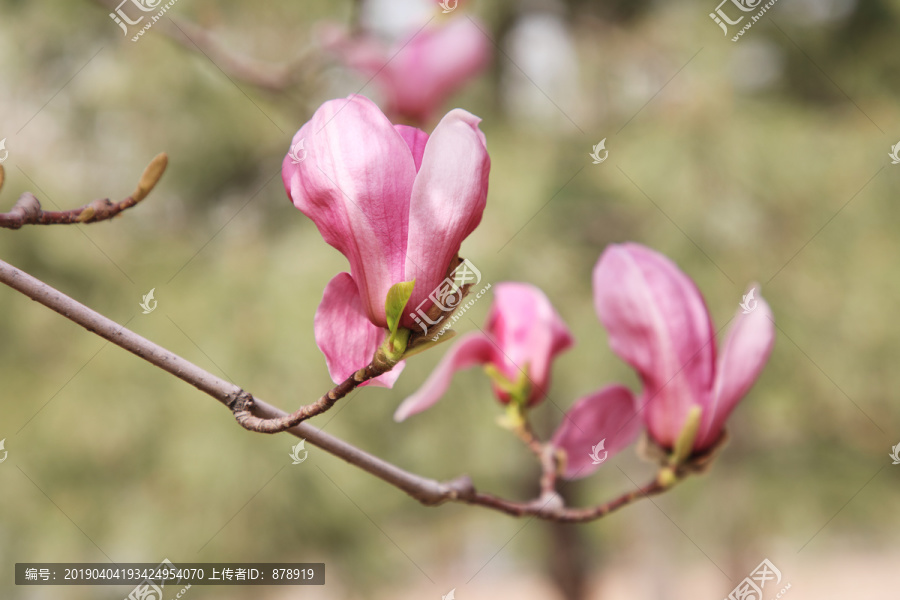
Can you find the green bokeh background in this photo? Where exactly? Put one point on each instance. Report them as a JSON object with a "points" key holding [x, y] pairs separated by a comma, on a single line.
{"points": [[785, 182]]}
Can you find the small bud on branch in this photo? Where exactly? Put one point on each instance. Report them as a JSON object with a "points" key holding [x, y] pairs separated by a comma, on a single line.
{"points": [[28, 211]]}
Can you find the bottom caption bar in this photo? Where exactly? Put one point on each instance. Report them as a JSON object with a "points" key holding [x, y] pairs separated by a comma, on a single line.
{"points": [[155, 576]]}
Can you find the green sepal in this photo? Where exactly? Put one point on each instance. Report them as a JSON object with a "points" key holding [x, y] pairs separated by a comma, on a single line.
{"points": [[685, 442], [518, 390], [394, 346], [396, 300], [513, 418], [423, 346]]}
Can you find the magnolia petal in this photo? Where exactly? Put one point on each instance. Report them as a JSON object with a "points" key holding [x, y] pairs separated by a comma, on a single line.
{"points": [[355, 181], [416, 139], [432, 65], [659, 324], [346, 336], [448, 199], [529, 332], [608, 416], [470, 350], [742, 358]]}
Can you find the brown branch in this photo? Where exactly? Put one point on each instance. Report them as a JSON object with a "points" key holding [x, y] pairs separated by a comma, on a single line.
{"points": [[27, 210], [243, 408], [554, 510], [265, 75], [427, 491]]}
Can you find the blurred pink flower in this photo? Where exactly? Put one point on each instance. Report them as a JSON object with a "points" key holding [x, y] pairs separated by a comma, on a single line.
{"points": [[523, 334], [419, 73], [396, 202], [659, 324], [595, 428]]}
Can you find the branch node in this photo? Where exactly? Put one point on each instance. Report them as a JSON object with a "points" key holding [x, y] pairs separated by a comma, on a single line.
{"points": [[28, 206], [456, 489], [243, 400]]}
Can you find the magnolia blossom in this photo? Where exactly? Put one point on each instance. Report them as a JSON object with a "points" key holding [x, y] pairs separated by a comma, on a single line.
{"points": [[595, 428], [396, 202], [659, 324], [419, 72], [522, 336]]}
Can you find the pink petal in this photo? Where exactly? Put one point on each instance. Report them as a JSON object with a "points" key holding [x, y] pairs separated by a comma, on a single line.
{"points": [[529, 332], [355, 184], [425, 70], [448, 198], [743, 356], [609, 415], [346, 336], [470, 350], [416, 139], [658, 323]]}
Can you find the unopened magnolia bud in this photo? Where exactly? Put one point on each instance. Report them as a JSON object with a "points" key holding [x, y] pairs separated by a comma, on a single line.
{"points": [[150, 177]]}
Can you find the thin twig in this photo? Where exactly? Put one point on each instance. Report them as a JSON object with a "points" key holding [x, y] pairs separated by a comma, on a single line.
{"points": [[265, 75], [555, 511], [27, 210], [243, 408]]}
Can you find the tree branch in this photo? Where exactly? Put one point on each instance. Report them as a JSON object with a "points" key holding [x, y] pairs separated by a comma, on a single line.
{"points": [[265, 75], [27, 210], [429, 492]]}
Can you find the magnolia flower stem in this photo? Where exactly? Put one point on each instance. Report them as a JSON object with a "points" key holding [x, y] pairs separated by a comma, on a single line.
{"points": [[549, 470], [525, 432], [544, 452], [243, 407], [430, 492], [27, 210]]}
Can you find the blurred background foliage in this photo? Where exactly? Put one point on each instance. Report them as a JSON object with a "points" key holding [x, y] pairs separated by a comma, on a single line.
{"points": [[758, 161]]}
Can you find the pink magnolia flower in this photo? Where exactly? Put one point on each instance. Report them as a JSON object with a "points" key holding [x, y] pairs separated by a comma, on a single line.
{"points": [[419, 73], [597, 427], [396, 202], [523, 334], [659, 324]]}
